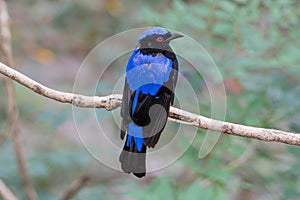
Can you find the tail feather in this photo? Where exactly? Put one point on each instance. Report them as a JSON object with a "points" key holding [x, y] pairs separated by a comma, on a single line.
{"points": [[133, 161]]}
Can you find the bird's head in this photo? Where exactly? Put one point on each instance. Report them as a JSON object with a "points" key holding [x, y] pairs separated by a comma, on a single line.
{"points": [[157, 38]]}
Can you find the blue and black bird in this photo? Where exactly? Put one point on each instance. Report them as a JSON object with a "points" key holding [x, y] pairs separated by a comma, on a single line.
{"points": [[151, 76]]}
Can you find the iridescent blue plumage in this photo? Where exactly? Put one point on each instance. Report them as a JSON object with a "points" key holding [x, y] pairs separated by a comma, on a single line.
{"points": [[151, 76], [137, 135], [135, 100], [146, 74]]}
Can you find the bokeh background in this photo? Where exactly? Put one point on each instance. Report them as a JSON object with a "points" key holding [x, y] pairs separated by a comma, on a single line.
{"points": [[255, 44]]}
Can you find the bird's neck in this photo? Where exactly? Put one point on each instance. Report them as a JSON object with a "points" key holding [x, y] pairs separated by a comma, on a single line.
{"points": [[154, 52]]}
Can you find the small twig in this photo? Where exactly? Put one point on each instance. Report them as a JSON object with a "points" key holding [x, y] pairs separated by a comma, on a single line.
{"points": [[76, 186], [12, 111], [4, 136], [5, 192]]}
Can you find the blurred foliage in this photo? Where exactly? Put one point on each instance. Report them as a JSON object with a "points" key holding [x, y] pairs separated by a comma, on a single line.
{"points": [[255, 44]]}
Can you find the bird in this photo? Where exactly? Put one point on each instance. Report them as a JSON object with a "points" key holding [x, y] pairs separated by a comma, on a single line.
{"points": [[151, 77]]}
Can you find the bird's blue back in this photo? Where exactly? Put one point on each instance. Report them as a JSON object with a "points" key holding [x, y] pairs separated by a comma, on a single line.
{"points": [[146, 74]]}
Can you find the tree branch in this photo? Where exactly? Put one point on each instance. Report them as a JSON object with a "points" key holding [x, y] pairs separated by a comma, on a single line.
{"points": [[76, 186], [114, 101], [109, 102], [6, 193], [4, 135]]}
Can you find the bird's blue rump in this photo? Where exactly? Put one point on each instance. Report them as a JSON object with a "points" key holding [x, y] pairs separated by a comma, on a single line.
{"points": [[135, 133]]}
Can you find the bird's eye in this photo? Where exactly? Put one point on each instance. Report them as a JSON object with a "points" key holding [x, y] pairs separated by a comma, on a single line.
{"points": [[159, 39]]}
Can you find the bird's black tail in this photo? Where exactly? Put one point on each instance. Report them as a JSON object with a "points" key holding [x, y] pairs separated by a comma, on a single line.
{"points": [[133, 161]]}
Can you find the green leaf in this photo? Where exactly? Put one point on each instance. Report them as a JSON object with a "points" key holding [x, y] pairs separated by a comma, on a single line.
{"points": [[228, 6]]}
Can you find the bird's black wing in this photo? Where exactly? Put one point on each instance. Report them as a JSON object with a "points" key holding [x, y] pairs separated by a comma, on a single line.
{"points": [[125, 114], [151, 113], [171, 84], [158, 114]]}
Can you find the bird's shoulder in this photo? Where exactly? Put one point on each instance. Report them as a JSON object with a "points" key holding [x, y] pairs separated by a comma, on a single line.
{"points": [[138, 58]]}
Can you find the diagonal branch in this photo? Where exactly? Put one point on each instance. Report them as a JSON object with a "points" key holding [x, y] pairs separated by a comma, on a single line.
{"points": [[114, 101], [3, 136], [108, 102], [5, 192], [76, 186]]}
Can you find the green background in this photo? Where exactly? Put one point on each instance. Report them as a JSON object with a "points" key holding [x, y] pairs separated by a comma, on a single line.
{"points": [[255, 45]]}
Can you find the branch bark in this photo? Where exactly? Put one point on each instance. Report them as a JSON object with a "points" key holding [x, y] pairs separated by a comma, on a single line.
{"points": [[76, 186], [12, 110], [4, 135], [6, 193], [114, 101]]}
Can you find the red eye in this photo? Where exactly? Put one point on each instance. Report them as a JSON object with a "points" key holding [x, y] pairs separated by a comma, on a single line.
{"points": [[159, 39]]}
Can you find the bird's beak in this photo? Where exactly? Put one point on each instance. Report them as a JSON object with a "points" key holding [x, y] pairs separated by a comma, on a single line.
{"points": [[174, 36]]}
